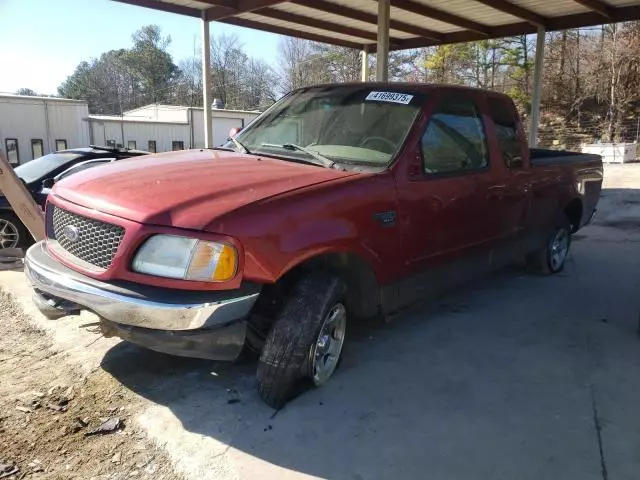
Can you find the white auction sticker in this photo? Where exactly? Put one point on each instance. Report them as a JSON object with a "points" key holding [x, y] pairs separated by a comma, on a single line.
{"points": [[393, 97]]}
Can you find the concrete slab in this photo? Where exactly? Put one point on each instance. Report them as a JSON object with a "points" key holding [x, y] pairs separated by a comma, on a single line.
{"points": [[516, 377]]}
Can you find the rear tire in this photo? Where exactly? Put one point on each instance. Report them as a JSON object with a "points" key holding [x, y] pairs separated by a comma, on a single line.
{"points": [[295, 339], [13, 233], [550, 259]]}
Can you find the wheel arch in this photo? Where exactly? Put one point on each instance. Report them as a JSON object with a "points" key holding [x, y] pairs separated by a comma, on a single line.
{"points": [[574, 210], [363, 290]]}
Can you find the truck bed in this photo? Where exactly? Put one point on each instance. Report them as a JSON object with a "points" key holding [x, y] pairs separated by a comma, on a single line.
{"points": [[542, 157]]}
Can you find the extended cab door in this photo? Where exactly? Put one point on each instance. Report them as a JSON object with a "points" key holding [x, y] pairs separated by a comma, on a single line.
{"points": [[444, 200], [511, 192]]}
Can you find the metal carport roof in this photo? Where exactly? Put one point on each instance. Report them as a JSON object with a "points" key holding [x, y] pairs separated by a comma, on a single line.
{"points": [[413, 23]]}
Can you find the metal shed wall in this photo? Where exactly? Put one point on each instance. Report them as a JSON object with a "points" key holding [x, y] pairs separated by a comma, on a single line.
{"points": [[42, 118]]}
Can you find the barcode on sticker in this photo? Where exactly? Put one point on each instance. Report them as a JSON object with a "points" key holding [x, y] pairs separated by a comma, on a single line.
{"points": [[393, 97]]}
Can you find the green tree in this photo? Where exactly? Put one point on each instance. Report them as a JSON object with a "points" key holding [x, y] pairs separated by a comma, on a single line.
{"points": [[151, 65], [127, 78], [105, 83], [517, 55], [449, 63], [342, 64]]}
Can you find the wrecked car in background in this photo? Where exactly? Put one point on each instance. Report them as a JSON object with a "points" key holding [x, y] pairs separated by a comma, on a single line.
{"points": [[40, 174], [340, 201]]}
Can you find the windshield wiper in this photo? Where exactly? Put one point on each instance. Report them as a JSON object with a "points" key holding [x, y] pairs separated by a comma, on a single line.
{"points": [[321, 160]]}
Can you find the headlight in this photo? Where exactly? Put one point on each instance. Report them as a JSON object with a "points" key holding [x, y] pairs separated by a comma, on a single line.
{"points": [[186, 258]]}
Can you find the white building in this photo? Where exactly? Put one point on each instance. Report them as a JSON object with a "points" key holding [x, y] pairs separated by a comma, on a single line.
{"points": [[161, 128], [613, 152], [34, 126]]}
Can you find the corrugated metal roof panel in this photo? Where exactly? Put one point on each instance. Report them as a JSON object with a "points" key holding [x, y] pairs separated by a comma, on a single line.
{"points": [[622, 3], [431, 24], [294, 26], [401, 15], [552, 9], [470, 10], [312, 13], [189, 3]]}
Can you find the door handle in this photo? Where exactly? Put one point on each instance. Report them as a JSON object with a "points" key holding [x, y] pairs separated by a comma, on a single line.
{"points": [[496, 193]]}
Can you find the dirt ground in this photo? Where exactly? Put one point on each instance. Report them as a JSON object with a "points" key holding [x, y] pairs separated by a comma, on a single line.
{"points": [[512, 377], [49, 409]]}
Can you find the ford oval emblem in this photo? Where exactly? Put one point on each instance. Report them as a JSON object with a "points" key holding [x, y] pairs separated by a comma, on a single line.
{"points": [[71, 233]]}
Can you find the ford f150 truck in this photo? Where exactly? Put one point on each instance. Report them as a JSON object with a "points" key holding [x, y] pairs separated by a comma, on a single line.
{"points": [[339, 202]]}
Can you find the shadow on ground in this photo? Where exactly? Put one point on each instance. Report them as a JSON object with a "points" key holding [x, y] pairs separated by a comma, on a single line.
{"points": [[507, 380]]}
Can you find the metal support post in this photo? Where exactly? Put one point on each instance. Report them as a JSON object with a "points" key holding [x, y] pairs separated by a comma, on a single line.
{"points": [[365, 63], [206, 82], [537, 89], [382, 51]]}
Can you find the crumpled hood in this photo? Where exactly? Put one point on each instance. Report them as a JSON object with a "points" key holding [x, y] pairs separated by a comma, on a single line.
{"points": [[186, 189]]}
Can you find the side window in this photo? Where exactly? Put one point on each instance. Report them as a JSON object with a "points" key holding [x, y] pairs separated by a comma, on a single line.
{"points": [[152, 146], [37, 148], [111, 143], [177, 145], [11, 146], [61, 145], [454, 139], [131, 144], [507, 131]]}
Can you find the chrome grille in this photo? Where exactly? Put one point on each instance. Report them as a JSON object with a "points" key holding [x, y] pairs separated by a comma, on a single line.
{"points": [[96, 242]]}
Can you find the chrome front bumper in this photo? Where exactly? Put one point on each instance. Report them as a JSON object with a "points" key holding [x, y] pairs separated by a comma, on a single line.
{"points": [[141, 310]]}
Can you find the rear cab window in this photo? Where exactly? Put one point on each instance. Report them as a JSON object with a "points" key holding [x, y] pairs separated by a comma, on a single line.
{"points": [[506, 125], [454, 140]]}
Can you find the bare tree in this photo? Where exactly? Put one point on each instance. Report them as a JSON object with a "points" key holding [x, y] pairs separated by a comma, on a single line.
{"points": [[300, 64], [27, 92]]}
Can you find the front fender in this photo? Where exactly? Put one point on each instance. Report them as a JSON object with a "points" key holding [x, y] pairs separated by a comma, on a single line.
{"points": [[286, 231]]}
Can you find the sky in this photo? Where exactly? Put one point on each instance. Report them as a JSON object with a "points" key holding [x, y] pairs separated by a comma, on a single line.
{"points": [[42, 41]]}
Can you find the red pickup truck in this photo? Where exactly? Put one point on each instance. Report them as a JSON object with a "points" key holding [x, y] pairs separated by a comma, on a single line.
{"points": [[339, 202]]}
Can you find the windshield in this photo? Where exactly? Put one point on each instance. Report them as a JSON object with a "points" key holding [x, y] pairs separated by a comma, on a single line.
{"points": [[346, 124], [41, 168]]}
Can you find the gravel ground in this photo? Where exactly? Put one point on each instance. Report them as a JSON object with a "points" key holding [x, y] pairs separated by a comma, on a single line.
{"points": [[49, 409]]}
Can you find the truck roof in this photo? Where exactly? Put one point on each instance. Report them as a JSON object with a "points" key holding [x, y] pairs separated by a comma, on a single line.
{"points": [[409, 86]]}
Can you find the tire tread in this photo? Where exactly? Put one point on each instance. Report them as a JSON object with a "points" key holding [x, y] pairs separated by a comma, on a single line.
{"points": [[283, 361]]}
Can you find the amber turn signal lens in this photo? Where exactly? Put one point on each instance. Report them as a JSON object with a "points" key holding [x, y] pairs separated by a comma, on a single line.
{"points": [[227, 264], [212, 262]]}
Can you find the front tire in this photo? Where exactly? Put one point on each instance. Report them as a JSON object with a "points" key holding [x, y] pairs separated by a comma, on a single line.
{"points": [[305, 342], [551, 259]]}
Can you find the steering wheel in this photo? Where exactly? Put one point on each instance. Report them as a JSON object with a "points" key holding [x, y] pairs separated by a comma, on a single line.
{"points": [[388, 143]]}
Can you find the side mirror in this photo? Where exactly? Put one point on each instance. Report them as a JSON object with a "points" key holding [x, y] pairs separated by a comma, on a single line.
{"points": [[48, 183], [234, 131]]}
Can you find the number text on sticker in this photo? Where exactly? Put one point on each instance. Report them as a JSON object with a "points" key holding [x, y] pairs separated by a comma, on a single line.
{"points": [[393, 97]]}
